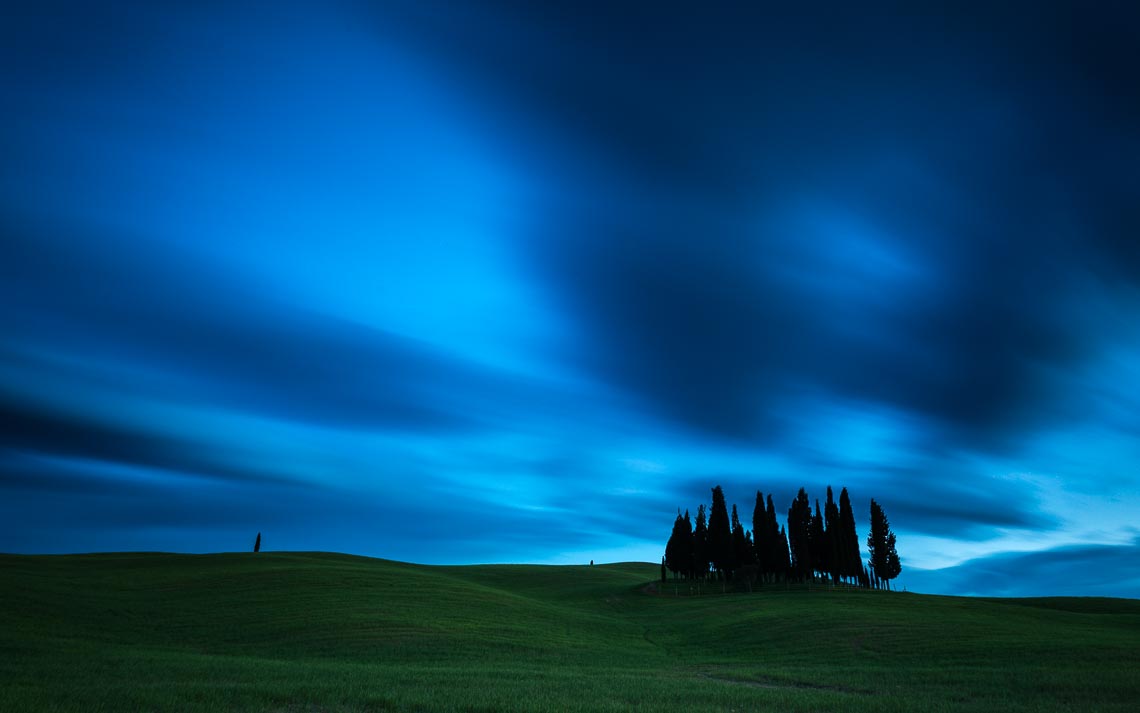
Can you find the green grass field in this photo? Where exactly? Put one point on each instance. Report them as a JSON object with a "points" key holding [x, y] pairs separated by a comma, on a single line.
{"points": [[322, 632]]}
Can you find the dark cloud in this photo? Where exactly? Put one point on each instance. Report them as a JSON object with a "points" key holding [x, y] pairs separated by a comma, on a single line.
{"points": [[960, 505], [985, 150], [680, 324], [1079, 570], [39, 429]]}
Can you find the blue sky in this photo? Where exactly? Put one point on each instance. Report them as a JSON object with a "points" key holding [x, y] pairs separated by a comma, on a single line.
{"points": [[513, 282]]}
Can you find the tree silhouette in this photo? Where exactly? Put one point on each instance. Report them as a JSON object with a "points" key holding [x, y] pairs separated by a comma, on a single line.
{"points": [[741, 545], [720, 535], [678, 551], [884, 563], [782, 550], [257, 543], [799, 536], [686, 548], [701, 545], [822, 543], [894, 565], [831, 520], [777, 545], [760, 536], [671, 545], [819, 546], [851, 559]]}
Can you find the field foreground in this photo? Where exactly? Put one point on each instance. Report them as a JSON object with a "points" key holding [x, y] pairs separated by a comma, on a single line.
{"points": [[321, 632]]}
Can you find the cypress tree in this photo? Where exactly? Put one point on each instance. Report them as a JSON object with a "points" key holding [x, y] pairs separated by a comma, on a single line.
{"points": [[777, 548], [701, 545], [760, 546], [720, 535], [851, 559], [831, 518], [799, 534], [819, 547], [894, 565], [671, 543], [257, 543], [675, 548], [688, 549], [885, 564], [782, 551], [741, 547]]}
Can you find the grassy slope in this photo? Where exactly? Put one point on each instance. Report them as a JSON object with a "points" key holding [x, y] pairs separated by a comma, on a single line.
{"points": [[314, 632]]}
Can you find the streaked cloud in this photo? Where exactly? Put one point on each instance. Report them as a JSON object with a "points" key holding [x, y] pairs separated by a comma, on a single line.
{"points": [[374, 278]]}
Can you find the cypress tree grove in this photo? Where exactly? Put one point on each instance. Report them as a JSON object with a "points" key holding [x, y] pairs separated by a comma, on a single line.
{"points": [[720, 535], [701, 545], [823, 543]]}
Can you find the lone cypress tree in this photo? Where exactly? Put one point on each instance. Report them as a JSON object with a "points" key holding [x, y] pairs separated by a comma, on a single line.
{"points": [[834, 535], [701, 545], [885, 564], [851, 559], [720, 536], [760, 546], [799, 536], [257, 543]]}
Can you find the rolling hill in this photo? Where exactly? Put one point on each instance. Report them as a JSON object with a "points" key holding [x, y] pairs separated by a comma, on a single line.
{"points": [[327, 632]]}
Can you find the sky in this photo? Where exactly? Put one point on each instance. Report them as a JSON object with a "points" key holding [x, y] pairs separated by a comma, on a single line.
{"points": [[514, 281]]}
